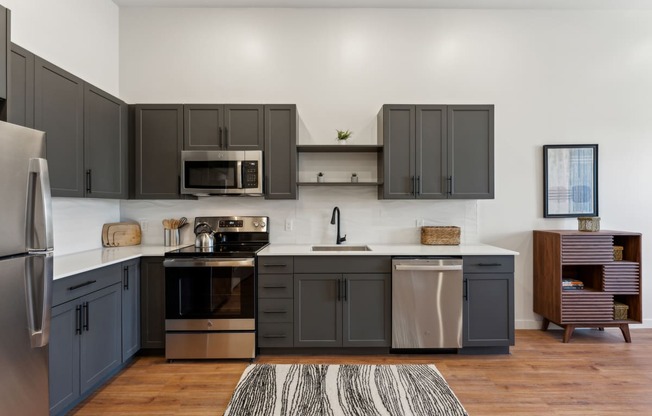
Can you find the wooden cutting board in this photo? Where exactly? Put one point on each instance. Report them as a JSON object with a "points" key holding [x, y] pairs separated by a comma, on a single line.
{"points": [[119, 234]]}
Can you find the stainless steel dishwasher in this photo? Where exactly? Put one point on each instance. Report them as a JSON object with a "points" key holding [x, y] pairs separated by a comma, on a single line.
{"points": [[426, 303]]}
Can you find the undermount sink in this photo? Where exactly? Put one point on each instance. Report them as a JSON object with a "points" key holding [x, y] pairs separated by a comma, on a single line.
{"points": [[341, 248]]}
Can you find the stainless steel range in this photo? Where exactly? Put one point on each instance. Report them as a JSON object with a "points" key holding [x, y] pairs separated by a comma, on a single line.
{"points": [[210, 292]]}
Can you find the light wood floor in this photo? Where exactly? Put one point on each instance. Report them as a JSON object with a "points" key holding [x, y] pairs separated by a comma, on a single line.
{"points": [[595, 374]]}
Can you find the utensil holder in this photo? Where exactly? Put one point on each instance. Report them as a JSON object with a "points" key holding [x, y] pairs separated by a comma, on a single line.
{"points": [[171, 237]]}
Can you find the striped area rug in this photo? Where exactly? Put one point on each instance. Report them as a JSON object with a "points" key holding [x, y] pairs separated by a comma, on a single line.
{"points": [[343, 390]]}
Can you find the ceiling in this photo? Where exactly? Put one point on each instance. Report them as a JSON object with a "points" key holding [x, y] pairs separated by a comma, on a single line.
{"points": [[435, 4]]}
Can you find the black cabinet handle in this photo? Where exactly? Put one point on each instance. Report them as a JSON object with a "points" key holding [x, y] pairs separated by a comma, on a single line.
{"points": [[418, 185], [466, 290], [450, 184], [85, 306], [219, 142], [275, 265], [88, 181], [125, 278], [489, 264], [275, 311], [78, 318], [274, 336], [90, 282], [274, 287], [344, 284], [413, 180]]}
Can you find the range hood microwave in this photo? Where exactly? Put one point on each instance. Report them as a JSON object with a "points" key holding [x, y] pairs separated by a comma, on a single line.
{"points": [[217, 172]]}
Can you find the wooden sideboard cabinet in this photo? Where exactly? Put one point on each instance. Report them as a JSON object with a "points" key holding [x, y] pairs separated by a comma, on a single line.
{"points": [[588, 257]]}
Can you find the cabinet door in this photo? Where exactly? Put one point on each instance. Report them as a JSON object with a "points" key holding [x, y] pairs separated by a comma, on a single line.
{"points": [[65, 327], [203, 127], [243, 127], [20, 105], [367, 316], [152, 303], [398, 134], [105, 144], [5, 40], [130, 309], [471, 151], [317, 310], [430, 152], [159, 132], [488, 310], [280, 152], [59, 112], [101, 346]]}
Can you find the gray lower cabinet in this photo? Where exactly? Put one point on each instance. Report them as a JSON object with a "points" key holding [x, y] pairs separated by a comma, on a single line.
{"points": [[488, 318], [130, 308], [152, 303], [437, 151], [223, 127], [158, 135], [275, 302], [280, 151], [342, 301], [85, 341]]}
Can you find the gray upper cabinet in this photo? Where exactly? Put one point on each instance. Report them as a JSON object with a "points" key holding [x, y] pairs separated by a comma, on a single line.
{"points": [[105, 144], [223, 127], [158, 135], [471, 151], [280, 151], [437, 151], [20, 104], [59, 111], [5, 47]]}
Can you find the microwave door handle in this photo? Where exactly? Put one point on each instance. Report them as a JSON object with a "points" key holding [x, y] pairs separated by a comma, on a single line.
{"points": [[239, 174]]}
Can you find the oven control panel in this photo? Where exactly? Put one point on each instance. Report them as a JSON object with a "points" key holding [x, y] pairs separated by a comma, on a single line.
{"points": [[236, 224]]}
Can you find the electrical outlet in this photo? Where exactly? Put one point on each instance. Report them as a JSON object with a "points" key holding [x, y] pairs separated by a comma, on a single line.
{"points": [[289, 224], [144, 225]]}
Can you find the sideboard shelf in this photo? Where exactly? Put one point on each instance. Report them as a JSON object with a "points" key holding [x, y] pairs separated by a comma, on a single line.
{"points": [[588, 257]]}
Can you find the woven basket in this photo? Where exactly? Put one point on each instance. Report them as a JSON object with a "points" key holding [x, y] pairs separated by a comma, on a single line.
{"points": [[618, 253], [588, 223], [448, 235], [620, 311]]}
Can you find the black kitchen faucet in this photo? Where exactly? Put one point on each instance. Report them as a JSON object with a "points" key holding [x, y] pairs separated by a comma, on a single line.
{"points": [[339, 239]]}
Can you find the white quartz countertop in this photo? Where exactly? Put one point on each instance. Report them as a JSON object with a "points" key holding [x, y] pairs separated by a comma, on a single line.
{"points": [[389, 250], [71, 264]]}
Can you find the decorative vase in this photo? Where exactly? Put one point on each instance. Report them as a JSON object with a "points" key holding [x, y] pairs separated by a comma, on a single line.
{"points": [[341, 141]]}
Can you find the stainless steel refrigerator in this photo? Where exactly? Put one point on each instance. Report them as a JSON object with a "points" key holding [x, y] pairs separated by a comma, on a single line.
{"points": [[26, 245]]}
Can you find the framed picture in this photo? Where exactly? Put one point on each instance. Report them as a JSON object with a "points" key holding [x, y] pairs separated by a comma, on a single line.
{"points": [[570, 180]]}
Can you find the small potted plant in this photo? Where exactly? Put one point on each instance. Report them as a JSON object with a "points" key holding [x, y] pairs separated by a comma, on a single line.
{"points": [[320, 177], [343, 135]]}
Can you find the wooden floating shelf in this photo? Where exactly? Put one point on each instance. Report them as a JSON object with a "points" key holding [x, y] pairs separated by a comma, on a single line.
{"points": [[339, 183], [339, 148]]}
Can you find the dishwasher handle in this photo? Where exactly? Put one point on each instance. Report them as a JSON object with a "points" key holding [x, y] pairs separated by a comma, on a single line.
{"points": [[427, 268]]}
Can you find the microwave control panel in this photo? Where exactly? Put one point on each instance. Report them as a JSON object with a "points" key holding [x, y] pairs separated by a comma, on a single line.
{"points": [[250, 174]]}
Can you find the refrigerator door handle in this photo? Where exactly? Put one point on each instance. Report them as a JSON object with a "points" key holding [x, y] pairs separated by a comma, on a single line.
{"points": [[39, 337], [39, 232]]}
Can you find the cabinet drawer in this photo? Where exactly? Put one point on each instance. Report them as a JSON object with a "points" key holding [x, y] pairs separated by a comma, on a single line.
{"points": [[279, 264], [275, 286], [488, 264], [275, 335], [275, 310], [69, 288], [342, 264]]}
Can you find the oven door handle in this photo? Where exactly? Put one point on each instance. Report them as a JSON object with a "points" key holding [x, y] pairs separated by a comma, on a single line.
{"points": [[208, 262]]}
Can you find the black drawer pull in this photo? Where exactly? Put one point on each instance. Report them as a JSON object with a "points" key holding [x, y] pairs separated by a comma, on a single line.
{"points": [[275, 287], [489, 264], [90, 282], [275, 311], [274, 336], [275, 265]]}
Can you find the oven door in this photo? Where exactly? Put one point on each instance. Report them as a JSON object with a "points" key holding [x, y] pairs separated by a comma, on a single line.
{"points": [[210, 294]]}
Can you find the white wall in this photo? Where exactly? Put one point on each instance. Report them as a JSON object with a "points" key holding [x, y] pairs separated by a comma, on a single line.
{"points": [[554, 76], [82, 37]]}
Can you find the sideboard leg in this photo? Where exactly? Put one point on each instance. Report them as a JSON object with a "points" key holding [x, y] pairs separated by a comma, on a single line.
{"points": [[624, 328], [544, 324], [568, 332]]}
